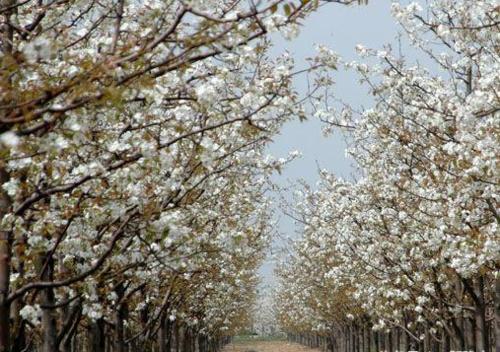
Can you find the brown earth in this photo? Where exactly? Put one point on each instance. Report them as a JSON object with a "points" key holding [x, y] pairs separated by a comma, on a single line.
{"points": [[266, 346]]}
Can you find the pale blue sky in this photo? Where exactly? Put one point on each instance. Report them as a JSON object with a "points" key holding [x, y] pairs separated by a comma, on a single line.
{"points": [[340, 28]]}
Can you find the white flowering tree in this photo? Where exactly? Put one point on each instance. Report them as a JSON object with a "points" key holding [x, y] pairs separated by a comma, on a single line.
{"points": [[133, 208], [409, 254]]}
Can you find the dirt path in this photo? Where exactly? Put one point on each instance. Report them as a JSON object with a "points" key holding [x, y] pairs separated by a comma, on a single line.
{"points": [[266, 346]]}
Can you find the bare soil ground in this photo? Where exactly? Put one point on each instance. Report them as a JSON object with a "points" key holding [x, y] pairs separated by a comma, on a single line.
{"points": [[266, 346]]}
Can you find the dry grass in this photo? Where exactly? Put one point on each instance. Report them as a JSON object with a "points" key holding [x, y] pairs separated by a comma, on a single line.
{"points": [[266, 346]]}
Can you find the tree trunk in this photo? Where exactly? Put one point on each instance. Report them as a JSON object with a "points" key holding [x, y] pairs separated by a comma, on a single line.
{"points": [[194, 339], [359, 339], [353, 338], [427, 338], [7, 36], [162, 335], [363, 337], [348, 339], [421, 343], [446, 342], [459, 322], [97, 336], [187, 340], [120, 316], [406, 343], [497, 312], [201, 343], [71, 321], [5, 250], [390, 346], [5, 243], [17, 324], [481, 331], [398, 339], [119, 345], [5, 256], [48, 302], [472, 334], [369, 338], [180, 338]]}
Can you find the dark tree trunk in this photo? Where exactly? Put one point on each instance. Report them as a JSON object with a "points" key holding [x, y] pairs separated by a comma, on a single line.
{"points": [[120, 316], [187, 340], [446, 342], [71, 322], [427, 338], [201, 343], [497, 313], [382, 341], [180, 339], [352, 337], [459, 323], [7, 37], [97, 336], [472, 333], [481, 331], [390, 346], [369, 338], [48, 301], [164, 335], [398, 339], [5, 236]]}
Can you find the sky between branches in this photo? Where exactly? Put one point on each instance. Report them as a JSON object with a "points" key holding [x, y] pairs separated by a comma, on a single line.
{"points": [[340, 28]]}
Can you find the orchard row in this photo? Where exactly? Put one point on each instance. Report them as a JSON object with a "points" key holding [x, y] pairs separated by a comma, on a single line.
{"points": [[133, 175], [407, 256]]}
